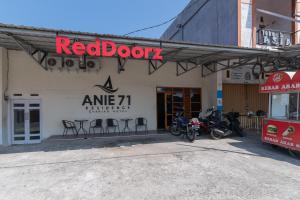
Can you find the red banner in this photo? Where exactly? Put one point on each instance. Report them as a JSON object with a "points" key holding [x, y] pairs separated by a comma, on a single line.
{"points": [[282, 133]]}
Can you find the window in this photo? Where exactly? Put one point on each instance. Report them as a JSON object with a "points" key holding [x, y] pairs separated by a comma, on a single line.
{"points": [[293, 101], [285, 106], [177, 95], [279, 106]]}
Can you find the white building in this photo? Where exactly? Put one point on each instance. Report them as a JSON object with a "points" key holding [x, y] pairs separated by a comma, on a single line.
{"points": [[40, 87]]}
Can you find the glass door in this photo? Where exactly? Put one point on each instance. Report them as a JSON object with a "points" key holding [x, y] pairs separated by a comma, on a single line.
{"points": [[177, 100], [168, 109], [18, 123], [26, 122]]}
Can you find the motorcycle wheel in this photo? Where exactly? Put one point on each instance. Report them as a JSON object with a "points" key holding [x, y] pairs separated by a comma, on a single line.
{"points": [[191, 135], [174, 130], [239, 131], [202, 131], [215, 135]]}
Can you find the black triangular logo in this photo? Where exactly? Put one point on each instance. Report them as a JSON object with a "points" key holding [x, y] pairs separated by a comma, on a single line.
{"points": [[108, 84], [107, 87]]}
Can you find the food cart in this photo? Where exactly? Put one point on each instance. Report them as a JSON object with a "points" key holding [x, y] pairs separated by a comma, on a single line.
{"points": [[282, 125]]}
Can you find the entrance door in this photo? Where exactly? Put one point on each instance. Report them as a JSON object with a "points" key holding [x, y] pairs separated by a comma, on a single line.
{"points": [[26, 122], [164, 109], [173, 100], [168, 109], [160, 111]]}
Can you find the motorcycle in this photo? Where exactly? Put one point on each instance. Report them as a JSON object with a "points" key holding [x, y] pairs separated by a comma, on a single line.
{"points": [[195, 126], [206, 120], [181, 126], [221, 128]]}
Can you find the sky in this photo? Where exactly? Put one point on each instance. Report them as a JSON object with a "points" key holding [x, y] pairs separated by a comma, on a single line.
{"points": [[116, 17]]}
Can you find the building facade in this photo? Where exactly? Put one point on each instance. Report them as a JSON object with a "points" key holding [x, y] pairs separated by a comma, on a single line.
{"points": [[265, 24], [48, 76], [48, 97], [41, 86]]}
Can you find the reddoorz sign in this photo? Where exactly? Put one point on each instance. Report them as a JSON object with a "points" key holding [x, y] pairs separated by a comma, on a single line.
{"points": [[105, 48]]}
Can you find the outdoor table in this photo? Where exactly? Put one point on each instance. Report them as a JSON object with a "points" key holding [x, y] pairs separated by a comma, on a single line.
{"points": [[81, 122], [126, 121]]}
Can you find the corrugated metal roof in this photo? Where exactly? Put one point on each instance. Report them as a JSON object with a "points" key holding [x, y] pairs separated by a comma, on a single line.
{"points": [[44, 39]]}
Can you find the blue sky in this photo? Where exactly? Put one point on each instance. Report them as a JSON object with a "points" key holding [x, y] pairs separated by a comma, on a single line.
{"points": [[101, 16]]}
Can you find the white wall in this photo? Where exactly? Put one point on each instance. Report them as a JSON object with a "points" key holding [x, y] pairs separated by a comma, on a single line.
{"points": [[246, 23], [240, 75], [62, 92]]}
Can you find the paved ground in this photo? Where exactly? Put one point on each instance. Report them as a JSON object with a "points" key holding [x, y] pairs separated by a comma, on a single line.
{"points": [[157, 167]]}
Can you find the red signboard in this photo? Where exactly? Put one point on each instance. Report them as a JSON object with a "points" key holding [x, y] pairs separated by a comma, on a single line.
{"points": [[277, 82], [281, 133], [106, 49], [281, 82]]}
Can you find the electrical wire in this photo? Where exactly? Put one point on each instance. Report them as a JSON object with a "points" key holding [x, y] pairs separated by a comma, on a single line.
{"points": [[163, 23], [190, 18], [143, 29]]}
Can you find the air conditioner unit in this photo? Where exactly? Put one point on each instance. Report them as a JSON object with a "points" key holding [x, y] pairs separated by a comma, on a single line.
{"points": [[92, 64], [53, 62], [71, 63]]}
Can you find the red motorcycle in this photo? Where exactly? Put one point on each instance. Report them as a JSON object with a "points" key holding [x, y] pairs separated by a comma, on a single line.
{"points": [[195, 125], [205, 121]]}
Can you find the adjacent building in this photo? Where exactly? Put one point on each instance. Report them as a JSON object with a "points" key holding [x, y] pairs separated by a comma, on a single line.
{"points": [[265, 24]]}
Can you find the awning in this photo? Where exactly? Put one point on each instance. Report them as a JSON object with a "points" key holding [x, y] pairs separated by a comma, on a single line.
{"points": [[39, 43]]}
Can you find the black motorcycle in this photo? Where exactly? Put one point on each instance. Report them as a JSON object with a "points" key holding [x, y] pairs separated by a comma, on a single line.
{"points": [[181, 126], [222, 128]]}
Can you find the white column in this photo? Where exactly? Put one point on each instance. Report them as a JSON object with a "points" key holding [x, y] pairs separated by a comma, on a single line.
{"points": [[219, 91], [297, 25], [246, 23]]}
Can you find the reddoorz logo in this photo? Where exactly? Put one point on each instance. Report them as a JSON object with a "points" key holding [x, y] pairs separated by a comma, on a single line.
{"points": [[106, 49], [109, 102]]}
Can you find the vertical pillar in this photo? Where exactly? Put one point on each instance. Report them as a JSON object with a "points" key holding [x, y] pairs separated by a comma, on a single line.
{"points": [[246, 23], [253, 12], [295, 25], [239, 23], [219, 91]]}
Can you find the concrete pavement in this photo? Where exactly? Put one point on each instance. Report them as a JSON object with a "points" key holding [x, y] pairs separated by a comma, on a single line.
{"points": [[148, 167]]}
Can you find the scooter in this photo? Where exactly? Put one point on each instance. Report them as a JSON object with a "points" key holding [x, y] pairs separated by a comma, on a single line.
{"points": [[221, 129], [181, 126]]}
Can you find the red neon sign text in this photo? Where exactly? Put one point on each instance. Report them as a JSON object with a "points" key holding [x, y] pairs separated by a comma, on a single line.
{"points": [[106, 49]]}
